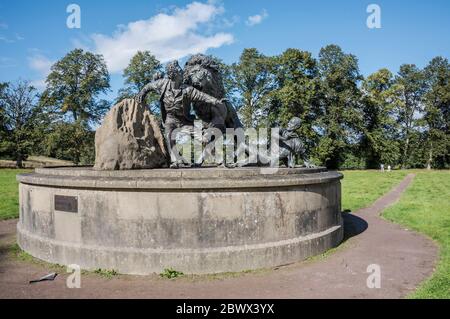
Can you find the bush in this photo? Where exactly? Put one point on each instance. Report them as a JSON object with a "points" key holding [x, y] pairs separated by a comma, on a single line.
{"points": [[71, 141]]}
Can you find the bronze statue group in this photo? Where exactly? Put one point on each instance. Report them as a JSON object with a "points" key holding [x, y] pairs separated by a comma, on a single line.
{"points": [[199, 88]]}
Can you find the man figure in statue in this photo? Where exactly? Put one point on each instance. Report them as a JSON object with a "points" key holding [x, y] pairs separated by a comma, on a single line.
{"points": [[175, 103]]}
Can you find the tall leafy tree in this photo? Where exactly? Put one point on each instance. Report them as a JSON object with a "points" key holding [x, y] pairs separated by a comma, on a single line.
{"points": [[18, 104], [74, 85], [296, 92], [340, 105], [142, 68], [437, 112], [410, 87], [254, 81], [378, 142]]}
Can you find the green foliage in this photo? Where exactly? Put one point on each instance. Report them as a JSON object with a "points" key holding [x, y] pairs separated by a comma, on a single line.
{"points": [[3, 129], [74, 84], [425, 207], [347, 122], [437, 113], [19, 114], [296, 92], [18, 253], [352, 161], [378, 142], [339, 102], [410, 89], [106, 273], [253, 81], [171, 273], [70, 141], [140, 71]]}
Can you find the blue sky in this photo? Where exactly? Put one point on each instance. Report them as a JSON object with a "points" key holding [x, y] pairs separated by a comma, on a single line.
{"points": [[33, 34]]}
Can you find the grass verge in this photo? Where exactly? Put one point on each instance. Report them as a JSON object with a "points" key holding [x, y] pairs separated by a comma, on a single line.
{"points": [[425, 207], [362, 188], [9, 193]]}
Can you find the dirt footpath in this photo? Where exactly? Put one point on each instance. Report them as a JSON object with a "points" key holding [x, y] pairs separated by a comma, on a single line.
{"points": [[405, 259]]}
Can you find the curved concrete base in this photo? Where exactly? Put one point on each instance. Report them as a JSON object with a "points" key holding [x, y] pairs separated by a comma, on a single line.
{"points": [[193, 220]]}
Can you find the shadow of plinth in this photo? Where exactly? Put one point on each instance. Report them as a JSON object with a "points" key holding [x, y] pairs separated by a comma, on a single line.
{"points": [[353, 225]]}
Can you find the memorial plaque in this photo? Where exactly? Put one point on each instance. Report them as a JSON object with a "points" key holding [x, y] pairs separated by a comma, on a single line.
{"points": [[66, 203]]}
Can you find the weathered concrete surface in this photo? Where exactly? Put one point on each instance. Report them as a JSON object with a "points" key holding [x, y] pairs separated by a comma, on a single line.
{"points": [[194, 220], [129, 138]]}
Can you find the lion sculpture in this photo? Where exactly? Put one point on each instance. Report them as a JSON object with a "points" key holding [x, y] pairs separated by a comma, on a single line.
{"points": [[203, 73]]}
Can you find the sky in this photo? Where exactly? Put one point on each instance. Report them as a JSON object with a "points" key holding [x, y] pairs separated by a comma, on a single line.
{"points": [[34, 33]]}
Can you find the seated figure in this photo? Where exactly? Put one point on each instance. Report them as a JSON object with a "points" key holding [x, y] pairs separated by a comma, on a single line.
{"points": [[290, 144]]}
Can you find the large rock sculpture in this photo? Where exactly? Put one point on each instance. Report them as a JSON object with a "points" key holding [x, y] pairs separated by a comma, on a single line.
{"points": [[129, 138]]}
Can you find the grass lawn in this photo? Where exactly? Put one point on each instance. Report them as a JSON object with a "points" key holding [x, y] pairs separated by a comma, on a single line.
{"points": [[425, 207], [9, 193], [362, 188]]}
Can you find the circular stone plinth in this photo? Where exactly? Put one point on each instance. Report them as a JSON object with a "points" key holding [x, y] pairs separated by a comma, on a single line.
{"points": [[205, 220]]}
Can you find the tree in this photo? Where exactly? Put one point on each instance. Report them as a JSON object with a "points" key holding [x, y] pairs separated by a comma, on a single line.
{"points": [[253, 82], [339, 105], [226, 71], [140, 71], [410, 88], [70, 141], [18, 104], [437, 111], [74, 84], [378, 142], [297, 85], [3, 87]]}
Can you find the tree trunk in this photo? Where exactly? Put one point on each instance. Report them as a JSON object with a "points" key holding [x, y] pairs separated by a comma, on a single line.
{"points": [[430, 157], [405, 152], [19, 162]]}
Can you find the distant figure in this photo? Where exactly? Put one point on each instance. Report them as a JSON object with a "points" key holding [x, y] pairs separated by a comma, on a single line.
{"points": [[389, 168], [382, 167]]}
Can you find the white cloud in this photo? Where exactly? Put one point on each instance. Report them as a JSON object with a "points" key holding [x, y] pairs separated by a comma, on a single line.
{"points": [[17, 37], [5, 39], [3, 25], [168, 36], [6, 62], [38, 84], [42, 65], [257, 18], [229, 22]]}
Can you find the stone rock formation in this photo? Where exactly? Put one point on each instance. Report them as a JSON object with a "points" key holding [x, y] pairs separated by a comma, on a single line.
{"points": [[129, 138]]}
